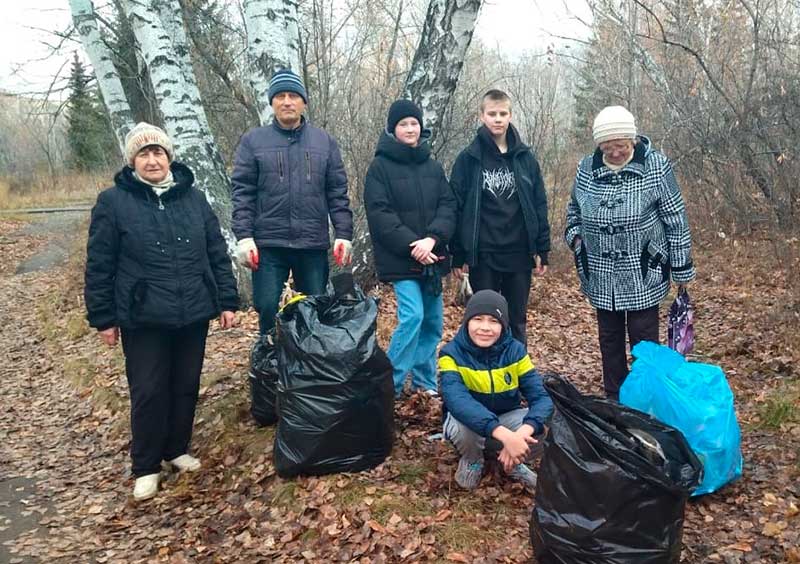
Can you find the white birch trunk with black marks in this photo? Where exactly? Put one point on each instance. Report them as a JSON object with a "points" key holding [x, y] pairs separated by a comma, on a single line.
{"points": [[272, 44], [119, 110], [159, 31], [439, 58]]}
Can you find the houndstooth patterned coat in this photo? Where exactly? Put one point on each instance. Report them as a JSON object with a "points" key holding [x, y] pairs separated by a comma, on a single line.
{"points": [[633, 229]]}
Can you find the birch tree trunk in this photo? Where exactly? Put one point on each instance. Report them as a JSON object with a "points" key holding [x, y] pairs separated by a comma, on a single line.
{"points": [[108, 80], [437, 64], [272, 44]]}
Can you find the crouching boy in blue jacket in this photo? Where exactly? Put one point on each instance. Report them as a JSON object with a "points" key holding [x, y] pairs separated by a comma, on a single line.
{"points": [[485, 373]]}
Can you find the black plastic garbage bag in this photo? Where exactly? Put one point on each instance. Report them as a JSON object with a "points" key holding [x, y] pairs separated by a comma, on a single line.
{"points": [[613, 484], [335, 388], [264, 380]]}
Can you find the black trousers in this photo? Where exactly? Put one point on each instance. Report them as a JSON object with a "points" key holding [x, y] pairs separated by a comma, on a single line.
{"points": [[163, 368], [515, 288], [642, 325]]}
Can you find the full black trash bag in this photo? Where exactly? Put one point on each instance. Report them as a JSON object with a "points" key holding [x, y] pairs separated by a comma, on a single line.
{"points": [[335, 387], [613, 484], [264, 380]]}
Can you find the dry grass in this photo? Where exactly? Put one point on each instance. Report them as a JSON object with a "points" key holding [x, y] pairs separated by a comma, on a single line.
{"points": [[41, 190]]}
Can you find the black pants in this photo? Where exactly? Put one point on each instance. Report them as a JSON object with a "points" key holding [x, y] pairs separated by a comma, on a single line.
{"points": [[642, 325], [515, 288], [163, 368]]}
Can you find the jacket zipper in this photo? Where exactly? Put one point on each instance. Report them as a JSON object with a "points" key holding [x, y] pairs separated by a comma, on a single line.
{"points": [[280, 166], [421, 200], [491, 383], [308, 167], [477, 220], [289, 190], [175, 262]]}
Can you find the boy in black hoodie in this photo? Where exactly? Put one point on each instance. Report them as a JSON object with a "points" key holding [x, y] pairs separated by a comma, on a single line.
{"points": [[503, 234]]}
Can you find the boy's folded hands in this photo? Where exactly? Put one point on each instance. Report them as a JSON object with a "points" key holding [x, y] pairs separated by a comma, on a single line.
{"points": [[516, 445]]}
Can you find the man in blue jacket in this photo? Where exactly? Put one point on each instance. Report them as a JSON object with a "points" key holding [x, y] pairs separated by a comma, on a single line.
{"points": [[288, 179], [485, 373]]}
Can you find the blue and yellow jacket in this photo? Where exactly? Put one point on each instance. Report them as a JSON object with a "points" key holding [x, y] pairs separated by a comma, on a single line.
{"points": [[478, 384]]}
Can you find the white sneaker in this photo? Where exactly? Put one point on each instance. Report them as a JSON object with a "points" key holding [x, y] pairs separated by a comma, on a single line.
{"points": [[145, 487], [186, 463]]}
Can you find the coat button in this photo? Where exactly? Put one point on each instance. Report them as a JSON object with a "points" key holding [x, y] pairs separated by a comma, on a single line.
{"points": [[179, 238]]}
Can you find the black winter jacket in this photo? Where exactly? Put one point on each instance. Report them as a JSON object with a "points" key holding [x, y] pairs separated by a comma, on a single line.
{"points": [[156, 261], [407, 197], [286, 184], [466, 181]]}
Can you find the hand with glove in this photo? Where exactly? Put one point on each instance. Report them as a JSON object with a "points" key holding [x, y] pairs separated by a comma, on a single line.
{"points": [[342, 252], [247, 253]]}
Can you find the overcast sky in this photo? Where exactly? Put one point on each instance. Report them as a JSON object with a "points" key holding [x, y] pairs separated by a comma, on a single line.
{"points": [[25, 66]]}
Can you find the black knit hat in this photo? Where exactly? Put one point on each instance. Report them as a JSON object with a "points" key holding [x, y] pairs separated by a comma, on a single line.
{"points": [[487, 302], [285, 80], [401, 109]]}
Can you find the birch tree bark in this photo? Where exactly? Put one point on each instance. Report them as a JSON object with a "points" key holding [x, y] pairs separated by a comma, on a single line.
{"points": [[108, 80], [159, 31], [439, 58], [272, 44]]}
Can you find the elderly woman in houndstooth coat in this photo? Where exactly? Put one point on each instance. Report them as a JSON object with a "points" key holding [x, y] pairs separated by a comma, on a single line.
{"points": [[627, 227]]}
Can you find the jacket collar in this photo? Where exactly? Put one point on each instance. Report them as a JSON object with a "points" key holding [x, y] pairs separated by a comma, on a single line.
{"points": [[392, 149], [516, 146], [184, 179], [291, 134], [641, 151]]}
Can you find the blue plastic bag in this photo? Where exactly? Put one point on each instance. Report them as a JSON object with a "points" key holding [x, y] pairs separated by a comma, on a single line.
{"points": [[694, 398]]}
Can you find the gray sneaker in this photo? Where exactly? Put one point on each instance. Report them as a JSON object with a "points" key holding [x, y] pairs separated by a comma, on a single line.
{"points": [[525, 476], [469, 472]]}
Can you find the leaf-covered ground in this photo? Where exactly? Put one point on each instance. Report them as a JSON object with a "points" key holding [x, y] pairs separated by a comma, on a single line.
{"points": [[64, 434]]}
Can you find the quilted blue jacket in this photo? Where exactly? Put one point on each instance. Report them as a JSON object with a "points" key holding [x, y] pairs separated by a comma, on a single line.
{"points": [[285, 186], [478, 384]]}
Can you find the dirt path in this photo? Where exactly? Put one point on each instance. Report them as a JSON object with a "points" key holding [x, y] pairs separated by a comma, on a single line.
{"points": [[33, 429]]}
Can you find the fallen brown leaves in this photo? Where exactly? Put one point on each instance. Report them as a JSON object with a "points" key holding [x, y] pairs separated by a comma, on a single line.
{"points": [[64, 426]]}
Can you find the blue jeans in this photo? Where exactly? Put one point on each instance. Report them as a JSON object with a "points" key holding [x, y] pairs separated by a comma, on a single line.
{"points": [[309, 271], [418, 332]]}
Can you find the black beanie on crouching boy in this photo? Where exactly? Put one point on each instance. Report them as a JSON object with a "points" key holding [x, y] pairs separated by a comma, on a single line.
{"points": [[487, 302], [400, 110]]}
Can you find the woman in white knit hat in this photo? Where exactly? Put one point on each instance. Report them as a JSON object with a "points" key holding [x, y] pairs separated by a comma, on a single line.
{"points": [[157, 270], [627, 227]]}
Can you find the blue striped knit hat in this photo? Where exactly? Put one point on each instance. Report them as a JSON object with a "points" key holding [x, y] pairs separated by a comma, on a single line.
{"points": [[286, 81]]}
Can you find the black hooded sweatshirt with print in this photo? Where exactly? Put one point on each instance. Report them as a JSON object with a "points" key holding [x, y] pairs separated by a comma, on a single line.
{"points": [[466, 181], [503, 242]]}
